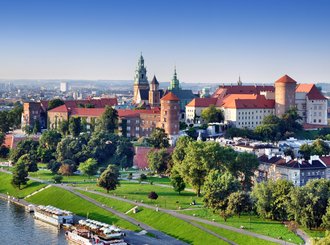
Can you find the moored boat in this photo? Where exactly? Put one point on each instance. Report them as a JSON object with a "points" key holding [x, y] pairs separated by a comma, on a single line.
{"points": [[52, 215], [91, 232]]}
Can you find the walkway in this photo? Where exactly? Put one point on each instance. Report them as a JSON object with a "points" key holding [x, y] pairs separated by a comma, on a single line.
{"points": [[165, 239], [189, 218]]}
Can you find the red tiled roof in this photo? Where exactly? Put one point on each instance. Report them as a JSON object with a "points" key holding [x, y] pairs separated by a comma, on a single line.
{"points": [[61, 108], [311, 90], [202, 102], [285, 79], [304, 88], [247, 101], [225, 90], [170, 96], [98, 103], [87, 112], [326, 160]]}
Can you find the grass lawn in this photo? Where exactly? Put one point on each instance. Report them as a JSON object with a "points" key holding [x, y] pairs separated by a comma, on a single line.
{"points": [[266, 227], [161, 221], [6, 186], [47, 175], [239, 239], [157, 180], [314, 233], [167, 197], [66, 200]]}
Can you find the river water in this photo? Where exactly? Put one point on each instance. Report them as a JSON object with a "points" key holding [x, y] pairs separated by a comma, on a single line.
{"points": [[19, 227]]}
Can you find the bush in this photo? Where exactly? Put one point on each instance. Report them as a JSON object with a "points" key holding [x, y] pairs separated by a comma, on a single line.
{"points": [[143, 177], [130, 176], [57, 178], [152, 195]]}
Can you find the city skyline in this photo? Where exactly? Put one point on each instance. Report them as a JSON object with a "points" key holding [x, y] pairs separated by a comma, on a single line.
{"points": [[212, 41]]}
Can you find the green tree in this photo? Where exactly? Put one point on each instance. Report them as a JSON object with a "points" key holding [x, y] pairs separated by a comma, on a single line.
{"points": [[55, 103], [177, 182], [53, 166], [64, 127], [243, 168], [319, 147], [290, 121], [158, 160], [30, 162], [212, 115], [71, 148], [26, 146], [20, 175], [326, 218], [239, 202], [75, 126], [89, 167], [158, 138], [109, 178], [109, 120], [308, 203], [4, 122], [36, 127], [15, 115], [124, 153], [106, 147], [271, 198], [194, 168], [179, 154], [57, 178], [47, 145], [217, 189], [306, 150]]}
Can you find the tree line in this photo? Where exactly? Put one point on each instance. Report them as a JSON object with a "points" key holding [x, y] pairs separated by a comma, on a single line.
{"points": [[65, 153], [272, 128]]}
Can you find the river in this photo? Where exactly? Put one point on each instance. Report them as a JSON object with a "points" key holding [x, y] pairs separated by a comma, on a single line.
{"points": [[18, 227]]}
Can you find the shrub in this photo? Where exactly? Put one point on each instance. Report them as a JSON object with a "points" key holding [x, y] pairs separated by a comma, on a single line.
{"points": [[143, 177], [57, 178], [152, 195]]}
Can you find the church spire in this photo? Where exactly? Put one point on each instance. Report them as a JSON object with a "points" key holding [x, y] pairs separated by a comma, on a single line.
{"points": [[239, 82], [141, 73], [175, 83]]}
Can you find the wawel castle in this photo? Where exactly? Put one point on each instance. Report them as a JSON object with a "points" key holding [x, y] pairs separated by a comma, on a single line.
{"points": [[243, 106], [246, 106]]}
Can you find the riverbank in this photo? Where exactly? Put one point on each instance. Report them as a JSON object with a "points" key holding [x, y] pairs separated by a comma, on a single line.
{"points": [[14, 200]]}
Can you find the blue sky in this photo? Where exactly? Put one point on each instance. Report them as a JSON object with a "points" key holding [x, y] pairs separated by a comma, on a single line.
{"points": [[207, 40]]}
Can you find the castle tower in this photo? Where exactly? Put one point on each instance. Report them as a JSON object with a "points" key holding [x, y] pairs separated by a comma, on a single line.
{"points": [[140, 79], [285, 94], [175, 83], [169, 115], [154, 95]]}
